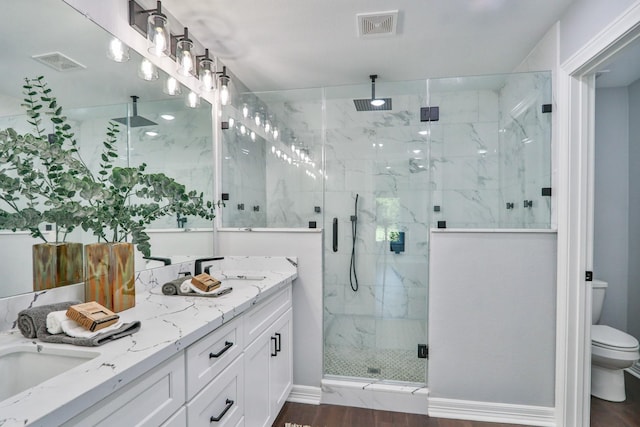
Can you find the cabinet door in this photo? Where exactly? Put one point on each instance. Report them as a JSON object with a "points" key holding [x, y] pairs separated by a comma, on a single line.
{"points": [[257, 362], [281, 368]]}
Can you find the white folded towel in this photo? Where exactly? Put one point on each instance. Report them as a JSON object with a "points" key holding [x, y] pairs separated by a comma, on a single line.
{"points": [[76, 330], [54, 321], [185, 287]]}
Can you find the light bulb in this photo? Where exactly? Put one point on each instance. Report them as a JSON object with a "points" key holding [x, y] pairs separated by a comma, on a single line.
{"points": [[243, 129], [275, 133], [224, 94], [257, 119], [193, 100], [172, 87], [377, 102], [118, 51], [231, 122], [245, 111], [184, 57], [267, 126], [206, 77], [147, 70], [157, 34], [253, 136]]}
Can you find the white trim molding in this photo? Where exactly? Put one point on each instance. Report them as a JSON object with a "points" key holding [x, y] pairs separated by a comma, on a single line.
{"points": [[635, 370], [305, 394], [491, 412]]}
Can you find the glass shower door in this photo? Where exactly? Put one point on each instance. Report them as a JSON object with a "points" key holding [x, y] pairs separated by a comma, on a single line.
{"points": [[377, 191]]}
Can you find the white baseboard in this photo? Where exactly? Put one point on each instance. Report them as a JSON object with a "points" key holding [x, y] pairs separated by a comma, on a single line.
{"points": [[492, 412], [635, 370], [305, 394]]}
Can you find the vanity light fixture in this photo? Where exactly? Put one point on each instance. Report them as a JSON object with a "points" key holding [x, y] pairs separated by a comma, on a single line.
{"points": [[118, 51], [245, 111], [224, 86], [192, 100], [152, 23], [147, 71], [172, 87], [184, 54], [206, 72]]}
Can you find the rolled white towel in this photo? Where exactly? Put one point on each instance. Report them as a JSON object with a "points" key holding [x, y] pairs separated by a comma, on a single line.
{"points": [[185, 287], [74, 329], [54, 321]]}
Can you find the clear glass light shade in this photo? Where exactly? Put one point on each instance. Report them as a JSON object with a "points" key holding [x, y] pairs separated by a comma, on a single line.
{"points": [[245, 111], [118, 51], [267, 126], [158, 34], [172, 87], [275, 133], [225, 95], [207, 75], [192, 100], [257, 119], [147, 71], [184, 57]]}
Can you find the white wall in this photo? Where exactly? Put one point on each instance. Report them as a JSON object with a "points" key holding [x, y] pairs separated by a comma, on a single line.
{"points": [[633, 307], [611, 202], [492, 309], [584, 19], [307, 289]]}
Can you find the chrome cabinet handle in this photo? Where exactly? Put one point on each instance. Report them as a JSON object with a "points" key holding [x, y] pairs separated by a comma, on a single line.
{"points": [[227, 346], [224, 411]]}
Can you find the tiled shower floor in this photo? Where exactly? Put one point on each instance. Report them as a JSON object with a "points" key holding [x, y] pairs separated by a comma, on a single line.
{"points": [[393, 365]]}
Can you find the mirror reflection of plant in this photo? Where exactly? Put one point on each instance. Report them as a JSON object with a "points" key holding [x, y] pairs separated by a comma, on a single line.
{"points": [[39, 171], [128, 199]]}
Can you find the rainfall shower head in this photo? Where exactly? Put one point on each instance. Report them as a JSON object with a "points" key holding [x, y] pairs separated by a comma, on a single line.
{"points": [[134, 120], [373, 104]]}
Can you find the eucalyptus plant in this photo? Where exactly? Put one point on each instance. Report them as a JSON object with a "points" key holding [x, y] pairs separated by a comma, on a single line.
{"points": [[39, 171], [43, 178]]}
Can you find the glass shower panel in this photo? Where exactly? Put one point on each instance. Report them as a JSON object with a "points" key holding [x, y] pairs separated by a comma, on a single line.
{"points": [[377, 190], [490, 155]]}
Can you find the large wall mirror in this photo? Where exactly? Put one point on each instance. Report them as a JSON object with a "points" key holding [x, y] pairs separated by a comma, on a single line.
{"points": [[92, 89]]}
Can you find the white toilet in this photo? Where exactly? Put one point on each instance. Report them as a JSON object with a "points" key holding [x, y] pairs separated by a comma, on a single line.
{"points": [[612, 351]]}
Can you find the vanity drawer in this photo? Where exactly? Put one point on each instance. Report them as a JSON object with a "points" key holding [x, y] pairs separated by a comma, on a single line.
{"points": [[222, 398], [258, 319], [148, 401], [210, 355], [179, 419]]}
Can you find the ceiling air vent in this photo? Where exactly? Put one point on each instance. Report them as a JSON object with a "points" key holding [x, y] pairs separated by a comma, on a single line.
{"points": [[58, 61], [377, 23]]}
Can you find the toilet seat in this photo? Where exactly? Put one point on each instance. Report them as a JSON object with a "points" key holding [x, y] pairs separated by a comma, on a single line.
{"points": [[612, 339]]}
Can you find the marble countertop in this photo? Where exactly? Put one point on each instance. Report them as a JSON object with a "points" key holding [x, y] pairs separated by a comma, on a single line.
{"points": [[169, 325]]}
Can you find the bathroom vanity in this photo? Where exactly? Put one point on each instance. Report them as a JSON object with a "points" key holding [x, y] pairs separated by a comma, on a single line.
{"points": [[223, 361]]}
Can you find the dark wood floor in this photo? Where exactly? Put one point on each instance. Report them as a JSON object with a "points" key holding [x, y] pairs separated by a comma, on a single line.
{"points": [[603, 414], [623, 414]]}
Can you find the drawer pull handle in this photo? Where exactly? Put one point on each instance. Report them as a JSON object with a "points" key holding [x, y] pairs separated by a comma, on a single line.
{"points": [[278, 342], [224, 411], [227, 346], [275, 346]]}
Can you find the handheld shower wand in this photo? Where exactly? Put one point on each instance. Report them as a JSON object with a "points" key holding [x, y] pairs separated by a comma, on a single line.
{"points": [[353, 276]]}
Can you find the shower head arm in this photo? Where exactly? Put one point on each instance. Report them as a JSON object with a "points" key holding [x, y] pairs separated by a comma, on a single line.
{"points": [[134, 99], [373, 78]]}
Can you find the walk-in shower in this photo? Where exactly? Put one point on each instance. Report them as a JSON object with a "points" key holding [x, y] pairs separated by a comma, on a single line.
{"points": [[381, 180]]}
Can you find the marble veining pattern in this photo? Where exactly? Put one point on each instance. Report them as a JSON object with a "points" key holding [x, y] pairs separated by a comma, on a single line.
{"points": [[169, 324]]}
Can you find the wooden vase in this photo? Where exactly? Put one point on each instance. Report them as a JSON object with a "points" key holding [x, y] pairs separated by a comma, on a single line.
{"points": [[56, 264], [110, 275]]}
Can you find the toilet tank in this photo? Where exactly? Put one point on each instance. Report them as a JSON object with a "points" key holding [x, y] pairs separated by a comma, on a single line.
{"points": [[599, 287]]}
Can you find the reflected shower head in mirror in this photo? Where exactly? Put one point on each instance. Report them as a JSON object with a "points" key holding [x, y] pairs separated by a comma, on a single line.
{"points": [[134, 120]]}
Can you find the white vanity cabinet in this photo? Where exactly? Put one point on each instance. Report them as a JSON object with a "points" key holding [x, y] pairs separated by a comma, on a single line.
{"points": [[149, 400], [240, 374], [268, 360]]}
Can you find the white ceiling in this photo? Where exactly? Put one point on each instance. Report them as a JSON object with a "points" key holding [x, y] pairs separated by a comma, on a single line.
{"points": [[285, 44]]}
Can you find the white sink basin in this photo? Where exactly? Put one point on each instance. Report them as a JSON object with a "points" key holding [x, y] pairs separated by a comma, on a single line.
{"points": [[25, 366]]}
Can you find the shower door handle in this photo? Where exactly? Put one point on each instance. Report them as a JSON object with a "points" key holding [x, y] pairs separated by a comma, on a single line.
{"points": [[335, 234]]}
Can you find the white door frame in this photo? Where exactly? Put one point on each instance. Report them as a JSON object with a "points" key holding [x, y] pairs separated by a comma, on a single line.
{"points": [[576, 89]]}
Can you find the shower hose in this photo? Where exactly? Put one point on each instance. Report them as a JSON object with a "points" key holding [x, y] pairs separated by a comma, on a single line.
{"points": [[353, 276]]}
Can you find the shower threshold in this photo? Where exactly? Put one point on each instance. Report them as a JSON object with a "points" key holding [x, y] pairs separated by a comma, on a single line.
{"points": [[395, 396]]}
